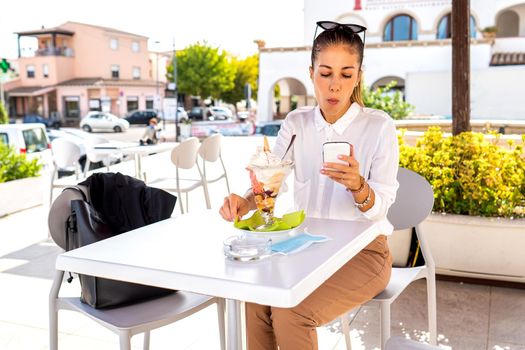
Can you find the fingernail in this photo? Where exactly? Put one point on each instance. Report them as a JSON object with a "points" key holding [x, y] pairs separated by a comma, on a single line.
{"points": [[325, 165], [340, 156]]}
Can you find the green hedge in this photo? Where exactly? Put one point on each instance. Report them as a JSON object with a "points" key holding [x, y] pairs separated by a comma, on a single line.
{"points": [[470, 174], [15, 166]]}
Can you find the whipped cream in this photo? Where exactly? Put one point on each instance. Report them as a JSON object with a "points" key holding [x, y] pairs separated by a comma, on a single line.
{"points": [[263, 158]]}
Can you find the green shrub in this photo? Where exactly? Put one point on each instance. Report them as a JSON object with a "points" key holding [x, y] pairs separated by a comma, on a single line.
{"points": [[389, 100], [16, 166], [470, 174], [4, 118]]}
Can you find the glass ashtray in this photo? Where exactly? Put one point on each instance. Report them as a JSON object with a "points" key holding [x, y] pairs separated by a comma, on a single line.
{"points": [[247, 248]]}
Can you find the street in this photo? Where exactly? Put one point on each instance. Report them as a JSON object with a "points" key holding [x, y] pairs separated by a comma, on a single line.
{"points": [[135, 132]]}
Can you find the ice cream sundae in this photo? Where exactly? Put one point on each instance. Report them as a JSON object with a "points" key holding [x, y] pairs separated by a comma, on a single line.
{"points": [[267, 173]]}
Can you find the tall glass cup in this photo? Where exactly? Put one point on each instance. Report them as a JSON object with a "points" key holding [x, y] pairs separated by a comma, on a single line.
{"points": [[266, 183]]}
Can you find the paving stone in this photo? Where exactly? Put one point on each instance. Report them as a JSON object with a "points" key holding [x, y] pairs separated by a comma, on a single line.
{"points": [[507, 315]]}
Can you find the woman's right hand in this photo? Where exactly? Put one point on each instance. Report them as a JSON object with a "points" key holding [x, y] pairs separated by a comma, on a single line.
{"points": [[234, 206]]}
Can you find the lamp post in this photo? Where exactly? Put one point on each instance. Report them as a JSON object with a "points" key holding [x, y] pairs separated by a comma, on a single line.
{"points": [[177, 130], [157, 97]]}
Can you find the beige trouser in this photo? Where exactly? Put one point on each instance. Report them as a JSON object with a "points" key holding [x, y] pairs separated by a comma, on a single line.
{"points": [[358, 281]]}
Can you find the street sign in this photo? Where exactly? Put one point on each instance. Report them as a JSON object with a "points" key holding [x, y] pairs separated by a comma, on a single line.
{"points": [[4, 65]]}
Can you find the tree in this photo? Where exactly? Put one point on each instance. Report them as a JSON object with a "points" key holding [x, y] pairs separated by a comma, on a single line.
{"points": [[203, 71], [246, 72], [460, 67], [387, 99], [4, 118]]}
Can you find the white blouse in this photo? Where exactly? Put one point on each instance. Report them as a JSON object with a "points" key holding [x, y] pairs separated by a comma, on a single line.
{"points": [[373, 135]]}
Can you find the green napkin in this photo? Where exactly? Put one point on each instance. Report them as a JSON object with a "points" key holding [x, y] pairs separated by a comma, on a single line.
{"points": [[287, 222]]}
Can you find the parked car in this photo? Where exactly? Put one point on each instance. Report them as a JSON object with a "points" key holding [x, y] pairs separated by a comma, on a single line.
{"points": [[195, 113], [268, 128], [103, 121], [30, 139], [212, 113], [141, 116], [221, 113], [181, 115], [48, 122], [243, 115]]}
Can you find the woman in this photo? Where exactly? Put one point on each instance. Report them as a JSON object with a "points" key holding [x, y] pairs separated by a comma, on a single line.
{"points": [[150, 134], [361, 189]]}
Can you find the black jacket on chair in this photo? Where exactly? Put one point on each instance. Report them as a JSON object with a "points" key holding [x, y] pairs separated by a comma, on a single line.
{"points": [[126, 203], [119, 203]]}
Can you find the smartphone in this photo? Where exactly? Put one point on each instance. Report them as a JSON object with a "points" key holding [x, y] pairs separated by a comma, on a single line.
{"points": [[333, 149]]}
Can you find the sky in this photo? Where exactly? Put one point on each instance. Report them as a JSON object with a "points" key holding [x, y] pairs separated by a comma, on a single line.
{"points": [[229, 24]]}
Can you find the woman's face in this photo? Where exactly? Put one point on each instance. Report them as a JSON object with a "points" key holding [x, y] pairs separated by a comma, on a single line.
{"points": [[335, 74]]}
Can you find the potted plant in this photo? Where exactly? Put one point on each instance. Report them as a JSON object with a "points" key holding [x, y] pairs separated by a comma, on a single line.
{"points": [[489, 32], [477, 228], [388, 99], [19, 181], [185, 128]]}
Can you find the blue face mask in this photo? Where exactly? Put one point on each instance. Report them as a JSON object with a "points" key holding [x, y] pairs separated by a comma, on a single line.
{"points": [[297, 243]]}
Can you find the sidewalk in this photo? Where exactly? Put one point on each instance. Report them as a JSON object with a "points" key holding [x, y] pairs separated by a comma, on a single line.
{"points": [[470, 317]]}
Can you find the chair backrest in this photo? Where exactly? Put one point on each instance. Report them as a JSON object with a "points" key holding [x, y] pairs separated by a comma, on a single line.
{"points": [[414, 200], [65, 152], [210, 149], [90, 143], [184, 155], [60, 211]]}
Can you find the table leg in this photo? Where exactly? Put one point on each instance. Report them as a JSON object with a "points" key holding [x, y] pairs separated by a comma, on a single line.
{"points": [[233, 312], [138, 167]]}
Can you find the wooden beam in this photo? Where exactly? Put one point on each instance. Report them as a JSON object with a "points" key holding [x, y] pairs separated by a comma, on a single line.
{"points": [[460, 66]]}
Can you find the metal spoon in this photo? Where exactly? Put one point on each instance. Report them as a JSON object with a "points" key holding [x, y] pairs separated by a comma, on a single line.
{"points": [[289, 146]]}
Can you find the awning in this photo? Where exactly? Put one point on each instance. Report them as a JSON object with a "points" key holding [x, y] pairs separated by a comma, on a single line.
{"points": [[29, 91], [54, 30], [100, 82], [507, 58]]}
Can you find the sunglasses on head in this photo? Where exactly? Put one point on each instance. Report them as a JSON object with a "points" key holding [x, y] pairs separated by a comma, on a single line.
{"points": [[348, 27]]}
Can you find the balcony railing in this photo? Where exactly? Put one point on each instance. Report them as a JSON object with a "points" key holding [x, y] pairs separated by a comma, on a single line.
{"points": [[55, 51]]}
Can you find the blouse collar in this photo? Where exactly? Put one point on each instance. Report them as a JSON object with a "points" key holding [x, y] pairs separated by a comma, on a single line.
{"points": [[342, 123]]}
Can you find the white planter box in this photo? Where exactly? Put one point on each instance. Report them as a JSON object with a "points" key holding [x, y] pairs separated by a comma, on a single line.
{"points": [[21, 194], [477, 247], [185, 131]]}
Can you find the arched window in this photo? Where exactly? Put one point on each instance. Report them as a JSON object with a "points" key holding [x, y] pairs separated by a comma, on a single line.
{"points": [[402, 27], [444, 30]]}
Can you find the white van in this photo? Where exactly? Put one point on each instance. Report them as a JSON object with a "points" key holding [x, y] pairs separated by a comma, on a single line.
{"points": [[30, 139]]}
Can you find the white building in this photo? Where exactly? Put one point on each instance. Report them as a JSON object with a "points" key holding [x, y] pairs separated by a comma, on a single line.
{"points": [[409, 41]]}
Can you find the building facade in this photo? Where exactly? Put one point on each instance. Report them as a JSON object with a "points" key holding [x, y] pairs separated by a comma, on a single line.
{"points": [[79, 68], [408, 41]]}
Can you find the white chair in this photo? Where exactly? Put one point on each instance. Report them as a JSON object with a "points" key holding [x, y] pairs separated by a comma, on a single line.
{"points": [[125, 321], [106, 159], [398, 343], [210, 151], [413, 204], [184, 156], [65, 157]]}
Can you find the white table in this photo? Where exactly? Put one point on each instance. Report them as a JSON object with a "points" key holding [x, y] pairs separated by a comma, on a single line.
{"points": [[185, 253], [132, 149]]}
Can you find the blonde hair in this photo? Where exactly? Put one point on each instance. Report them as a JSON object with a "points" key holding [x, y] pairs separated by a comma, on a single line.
{"points": [[357, 94]]}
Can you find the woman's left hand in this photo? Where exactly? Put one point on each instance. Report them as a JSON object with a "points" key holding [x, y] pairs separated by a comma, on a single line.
{"points": [[346, 175]]}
